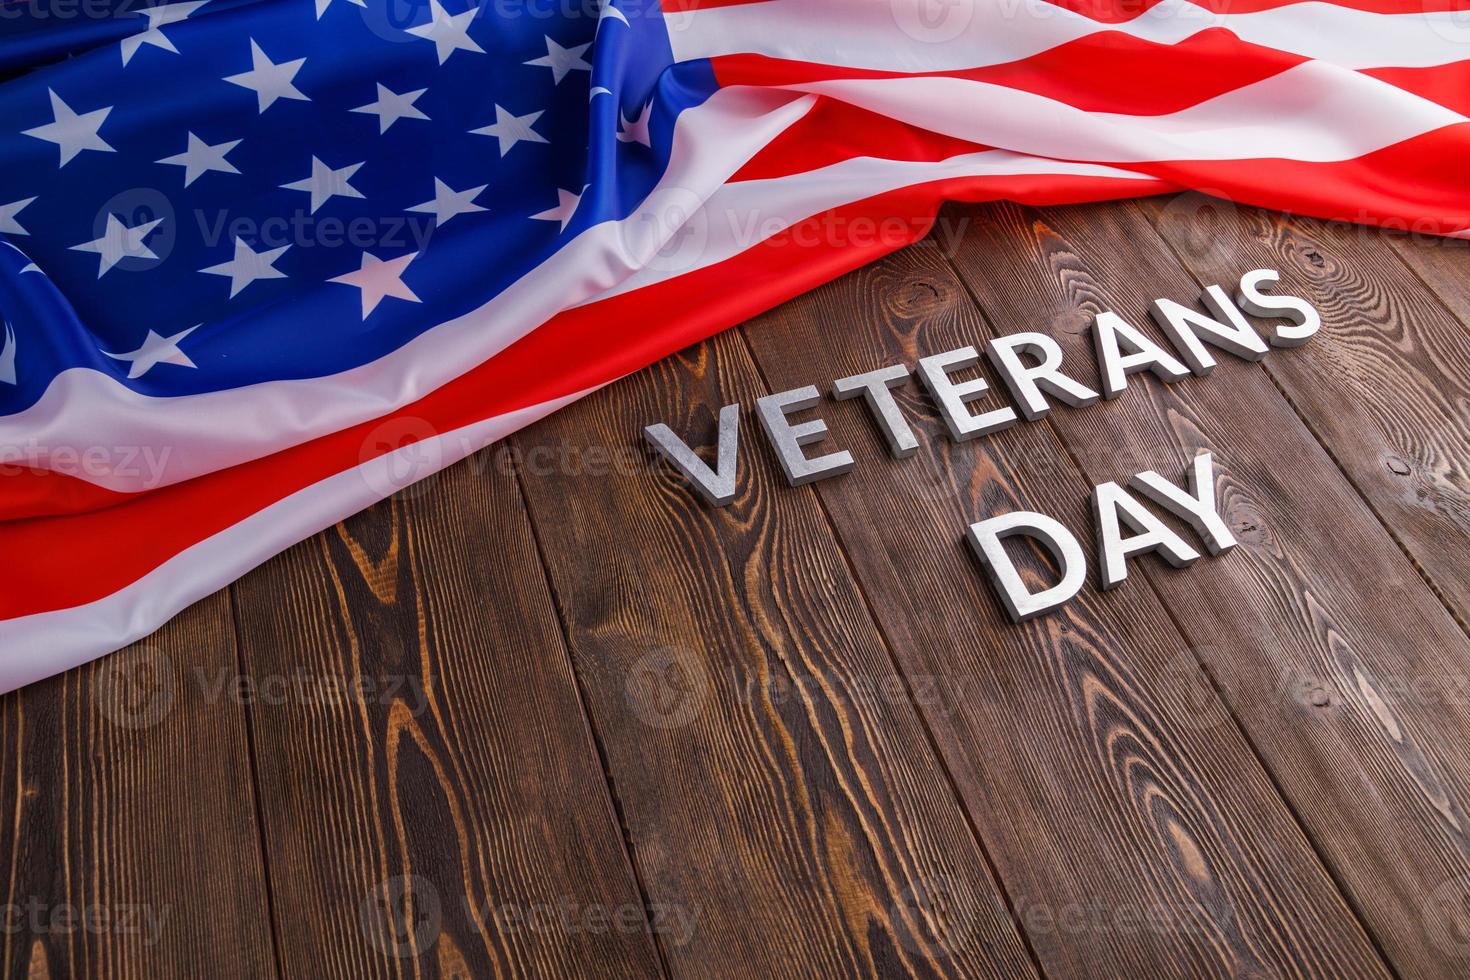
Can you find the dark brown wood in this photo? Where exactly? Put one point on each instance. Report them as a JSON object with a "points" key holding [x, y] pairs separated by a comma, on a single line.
{"points": [[613, 732], [1385, 386], [1126, 791], [130, 847], [453, 820], [1336, 657], [1442, 263], [774, 775]]}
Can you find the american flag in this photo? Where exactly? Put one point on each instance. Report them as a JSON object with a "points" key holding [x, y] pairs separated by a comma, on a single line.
{"points": [[265, 262]]}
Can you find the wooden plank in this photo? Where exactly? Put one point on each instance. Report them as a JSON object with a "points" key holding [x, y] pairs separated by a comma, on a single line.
{"points": [[1099, 765], [1340, 663], [131, 848], [1385, 385], [453, 820], [1443, 264], [774, 775]]}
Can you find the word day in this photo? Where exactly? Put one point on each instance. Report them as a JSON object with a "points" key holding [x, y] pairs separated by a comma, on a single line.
{"points": [[1030, 365]]}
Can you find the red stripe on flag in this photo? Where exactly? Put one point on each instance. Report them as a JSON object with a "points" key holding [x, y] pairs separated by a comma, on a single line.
{"points": [[1105, 72]]}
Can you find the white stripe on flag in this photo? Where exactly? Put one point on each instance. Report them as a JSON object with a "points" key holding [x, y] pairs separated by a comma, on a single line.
{"points": [[908, 35], [1314, 112]]}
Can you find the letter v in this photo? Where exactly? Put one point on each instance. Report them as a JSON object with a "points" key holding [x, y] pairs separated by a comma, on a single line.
{"points": [[717, 486]]}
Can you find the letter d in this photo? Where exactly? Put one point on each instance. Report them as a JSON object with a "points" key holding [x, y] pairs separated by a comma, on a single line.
{"points": [[987, 538]]}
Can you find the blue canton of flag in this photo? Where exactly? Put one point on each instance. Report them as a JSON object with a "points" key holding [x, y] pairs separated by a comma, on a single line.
{"points": [[237, 192]]}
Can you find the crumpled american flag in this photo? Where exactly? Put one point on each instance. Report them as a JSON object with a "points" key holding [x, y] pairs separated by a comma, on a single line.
{"points": [[265, 262]]}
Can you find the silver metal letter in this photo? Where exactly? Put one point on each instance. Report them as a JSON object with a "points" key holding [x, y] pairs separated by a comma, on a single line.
{"points": [[986, 539], [1145, 355], [1029, 386], [951, 397], [1195, 506], [787, 439], [717, 486], [1305, 321], [1114, 507], [874, 387], [1188, 330]]}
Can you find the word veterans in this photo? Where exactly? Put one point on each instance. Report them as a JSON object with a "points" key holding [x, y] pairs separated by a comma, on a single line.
{"points": [[1030, 365]]}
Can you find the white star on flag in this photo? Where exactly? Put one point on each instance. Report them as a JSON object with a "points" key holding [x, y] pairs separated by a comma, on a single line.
{"points": [[71, 132], [269, 81], [154, 351], [511, 129], [9, 224], [562, 60], [635, 130], [326, 183], [392, 107], [248, 266], [450, 33], [448, 202], [566, 206], [159, 16], [200, 158], [378, 279], [119, 242]]}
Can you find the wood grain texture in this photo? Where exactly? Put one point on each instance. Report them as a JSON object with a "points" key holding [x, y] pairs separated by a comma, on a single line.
{"points": [[774, 775], [1342, 666], [109, 870], [453, 820], [1442, 263], [1133, 826], [1385, 386], [609, 731]]}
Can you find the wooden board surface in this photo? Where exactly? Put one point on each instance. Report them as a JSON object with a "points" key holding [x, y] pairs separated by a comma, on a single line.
{"points": [[548, 714]]}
